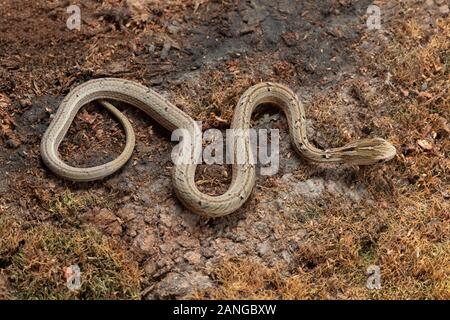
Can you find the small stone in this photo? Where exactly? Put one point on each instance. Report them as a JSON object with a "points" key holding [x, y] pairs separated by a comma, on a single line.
{"points": [[235, 248], [164, 263], [286, 256], [193, 257], [156, 81], [182, 285], [234, 54], [263, 248], [145, 198], [126, 214], [262, 229], [150, 267], [131, 233], [179, 260], [165, 50], [174, 28], [173, 285], [207, 252], [167, 219], [145, 241], [444, 9], [163, 267], [167, 248]]}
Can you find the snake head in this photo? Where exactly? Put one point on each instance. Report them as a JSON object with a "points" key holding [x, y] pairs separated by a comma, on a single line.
{"points": [[367, 151]]}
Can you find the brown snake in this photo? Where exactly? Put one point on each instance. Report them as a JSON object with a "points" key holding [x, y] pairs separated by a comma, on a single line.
{"points": [[360, 152]]}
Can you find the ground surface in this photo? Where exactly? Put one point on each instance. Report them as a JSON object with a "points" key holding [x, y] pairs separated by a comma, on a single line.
{"points": [[307, 232]]}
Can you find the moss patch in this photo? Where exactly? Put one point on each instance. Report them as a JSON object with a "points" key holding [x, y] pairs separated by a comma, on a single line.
{"points": [[34, 258]]}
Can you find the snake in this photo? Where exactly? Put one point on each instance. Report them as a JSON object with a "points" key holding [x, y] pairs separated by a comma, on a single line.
{"points": [[360, 152]]}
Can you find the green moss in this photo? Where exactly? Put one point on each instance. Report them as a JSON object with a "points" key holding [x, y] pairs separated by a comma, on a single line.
{"points": [[67, 206], [36, 259]]}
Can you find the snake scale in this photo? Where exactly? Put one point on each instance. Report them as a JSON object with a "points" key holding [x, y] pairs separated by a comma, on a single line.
{"points": [[360, 152]]}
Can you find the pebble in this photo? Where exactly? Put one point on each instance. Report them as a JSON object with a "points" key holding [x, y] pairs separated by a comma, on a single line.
{"points": [[126, 214], [286, 256], [193, 257], [174, 28], [182, 285], [150, 267], [165, 50], [145, 241], [263, 248]]}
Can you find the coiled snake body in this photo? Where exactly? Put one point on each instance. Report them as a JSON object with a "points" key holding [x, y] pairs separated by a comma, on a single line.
{"points": [[360, 152]]}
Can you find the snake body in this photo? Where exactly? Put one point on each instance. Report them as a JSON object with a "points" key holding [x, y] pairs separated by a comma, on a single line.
{"points": [[360, 152]]}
